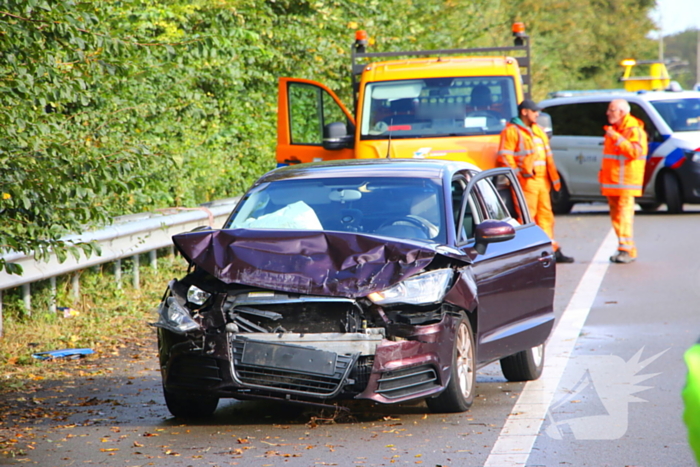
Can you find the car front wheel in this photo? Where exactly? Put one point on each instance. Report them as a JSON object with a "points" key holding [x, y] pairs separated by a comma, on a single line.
{"points": [[561, 201], [524, 366], [190, 406], [459, 393], [672, 193]]}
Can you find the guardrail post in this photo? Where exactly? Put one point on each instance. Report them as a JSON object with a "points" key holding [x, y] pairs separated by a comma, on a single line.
{"points": [[75, 282], [52, 305], [118, 273], [153, 258], [27, 297], [135, 278]]}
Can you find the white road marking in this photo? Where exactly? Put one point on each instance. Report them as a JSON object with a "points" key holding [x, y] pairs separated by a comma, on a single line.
{"points": [[523, 424]]}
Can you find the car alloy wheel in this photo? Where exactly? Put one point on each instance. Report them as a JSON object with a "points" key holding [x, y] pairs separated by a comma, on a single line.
{"points": [[459, 393]]}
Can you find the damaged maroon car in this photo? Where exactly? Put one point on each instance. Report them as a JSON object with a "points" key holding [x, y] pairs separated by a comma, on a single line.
{"points": [[382, 280]]}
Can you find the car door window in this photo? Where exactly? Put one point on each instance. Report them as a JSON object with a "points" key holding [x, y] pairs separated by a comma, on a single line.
{"points": [[464, 219], [494, 206]]}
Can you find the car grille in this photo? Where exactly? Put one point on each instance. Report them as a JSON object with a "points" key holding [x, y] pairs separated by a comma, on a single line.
{"points": [[407, 381], [195, 371], [291, 381]]}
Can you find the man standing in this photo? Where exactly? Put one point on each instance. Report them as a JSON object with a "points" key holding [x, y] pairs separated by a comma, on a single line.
{"points": [[524, 147], [622, 173]]}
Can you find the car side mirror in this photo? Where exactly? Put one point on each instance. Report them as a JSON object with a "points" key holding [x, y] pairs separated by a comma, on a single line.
{"points": [[492, 231], [335, 136], [544, 120]]}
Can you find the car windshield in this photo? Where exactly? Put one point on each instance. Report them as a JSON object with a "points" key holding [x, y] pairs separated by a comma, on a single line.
{"points": [[435, 107], [680, 114], [394, 207]]}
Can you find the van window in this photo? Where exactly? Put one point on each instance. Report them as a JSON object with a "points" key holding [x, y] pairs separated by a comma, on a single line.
{"points": [[653, 133], [680, 114], [584, 119], [589, 118]]}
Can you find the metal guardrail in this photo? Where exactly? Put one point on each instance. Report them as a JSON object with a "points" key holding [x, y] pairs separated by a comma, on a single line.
{"points": [[128, 237]]}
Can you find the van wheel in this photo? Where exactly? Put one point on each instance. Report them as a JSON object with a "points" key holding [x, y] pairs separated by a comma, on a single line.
{"points": [[458, 396], [672, 193], [561, 201], [524, 366]]}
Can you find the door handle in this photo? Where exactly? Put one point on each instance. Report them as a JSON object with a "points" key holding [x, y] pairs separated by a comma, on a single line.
{"points": [[547, 259]]}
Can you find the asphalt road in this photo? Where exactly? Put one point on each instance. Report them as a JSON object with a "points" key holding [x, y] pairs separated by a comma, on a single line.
{"points": [[610, 395]]}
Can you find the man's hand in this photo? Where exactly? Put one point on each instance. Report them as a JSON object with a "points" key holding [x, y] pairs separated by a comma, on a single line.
{"points": [[610, 131]]}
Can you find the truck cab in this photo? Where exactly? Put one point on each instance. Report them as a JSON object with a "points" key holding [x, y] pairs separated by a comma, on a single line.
{"points": [[449, 104]]}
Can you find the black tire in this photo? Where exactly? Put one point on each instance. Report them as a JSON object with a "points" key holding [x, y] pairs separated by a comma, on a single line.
{"points": [[672, 193], [524, 366], [190, 406], [561, 201], [458, 396]]}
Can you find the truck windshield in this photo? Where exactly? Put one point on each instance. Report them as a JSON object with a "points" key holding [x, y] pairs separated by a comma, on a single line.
{"points": [[435, 107], [680, 114]]}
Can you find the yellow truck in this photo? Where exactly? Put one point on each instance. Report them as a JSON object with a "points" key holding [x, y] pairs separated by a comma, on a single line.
{"points": [[449, 104]]}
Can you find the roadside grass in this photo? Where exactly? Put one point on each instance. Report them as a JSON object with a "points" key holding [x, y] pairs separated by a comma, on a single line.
{"points": [[106, 318]]}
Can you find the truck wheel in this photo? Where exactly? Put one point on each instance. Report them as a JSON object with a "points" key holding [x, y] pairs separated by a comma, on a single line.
{"points": [[561, 202], [459, 393], [672, 193], [190, 406], [524, 366], [650, 207]]}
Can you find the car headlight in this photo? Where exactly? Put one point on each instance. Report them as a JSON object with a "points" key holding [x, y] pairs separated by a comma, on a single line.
{"points": [[196, 295], [423, 289], [175, 317], [692, 156]]}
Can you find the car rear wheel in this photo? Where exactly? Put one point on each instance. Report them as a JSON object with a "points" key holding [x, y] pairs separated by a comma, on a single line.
{"points": [[672, 193], [190, 406], [459, 393], [561, 201], [524, 366]]}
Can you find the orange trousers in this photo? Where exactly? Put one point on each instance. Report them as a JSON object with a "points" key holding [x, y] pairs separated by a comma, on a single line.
{"points": [[622, 217], [539, 203]]}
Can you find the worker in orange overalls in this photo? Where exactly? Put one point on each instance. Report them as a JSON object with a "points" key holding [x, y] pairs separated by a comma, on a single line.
{"points": [[622, 173], [524, 147]]}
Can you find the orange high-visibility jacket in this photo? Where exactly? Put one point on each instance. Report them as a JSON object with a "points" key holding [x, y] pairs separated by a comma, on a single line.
{"points": [[624, 158], [520, 147]]}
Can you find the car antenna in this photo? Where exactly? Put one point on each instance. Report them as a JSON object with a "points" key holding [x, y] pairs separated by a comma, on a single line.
{"points": [[388, 146]]}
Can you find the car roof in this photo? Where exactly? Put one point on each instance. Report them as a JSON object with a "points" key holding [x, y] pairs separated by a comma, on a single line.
{"points": [[573, 97], [405, 168]]}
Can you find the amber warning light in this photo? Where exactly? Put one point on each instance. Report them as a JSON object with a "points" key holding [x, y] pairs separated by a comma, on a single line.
{"points": [[518, 28], [360, 35]]}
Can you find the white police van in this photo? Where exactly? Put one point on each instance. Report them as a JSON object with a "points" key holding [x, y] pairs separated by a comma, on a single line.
{"points": [[672, 122]]}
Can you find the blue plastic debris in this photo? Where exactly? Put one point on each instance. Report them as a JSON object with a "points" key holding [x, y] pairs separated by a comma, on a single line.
{"points": [[65, 353]]}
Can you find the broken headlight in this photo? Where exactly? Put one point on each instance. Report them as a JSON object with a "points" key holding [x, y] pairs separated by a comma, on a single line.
{"points": [[174, 317], [196, 295], [423, 289]]}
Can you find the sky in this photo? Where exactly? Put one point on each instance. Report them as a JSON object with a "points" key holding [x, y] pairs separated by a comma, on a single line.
{"points": [[677, 15]]}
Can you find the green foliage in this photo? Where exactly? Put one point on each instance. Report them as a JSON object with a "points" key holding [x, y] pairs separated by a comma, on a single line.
{"points": [[681, 50], [109, 108]]}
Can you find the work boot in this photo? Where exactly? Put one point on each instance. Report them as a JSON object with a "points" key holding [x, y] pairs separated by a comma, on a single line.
{"points": [[560, 257], [622, 257]]}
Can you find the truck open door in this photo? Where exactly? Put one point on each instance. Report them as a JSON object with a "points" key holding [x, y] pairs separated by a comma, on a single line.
{"points": [[312, 123]]}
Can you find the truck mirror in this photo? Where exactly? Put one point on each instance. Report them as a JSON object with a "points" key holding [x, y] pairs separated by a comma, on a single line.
{"points": [[335, 136], [544, 120]]}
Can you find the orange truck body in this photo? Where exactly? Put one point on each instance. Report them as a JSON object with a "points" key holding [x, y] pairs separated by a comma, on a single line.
{"points": [[443, 104]]}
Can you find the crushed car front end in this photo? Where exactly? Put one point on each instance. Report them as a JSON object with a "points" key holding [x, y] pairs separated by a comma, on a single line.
{"points": [[374, 328]]}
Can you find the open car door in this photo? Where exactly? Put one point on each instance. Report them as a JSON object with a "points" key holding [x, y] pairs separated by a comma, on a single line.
{"points": [[312, 123]]}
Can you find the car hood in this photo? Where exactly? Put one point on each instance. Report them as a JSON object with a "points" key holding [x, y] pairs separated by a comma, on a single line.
{"points": [[309, 262]]}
